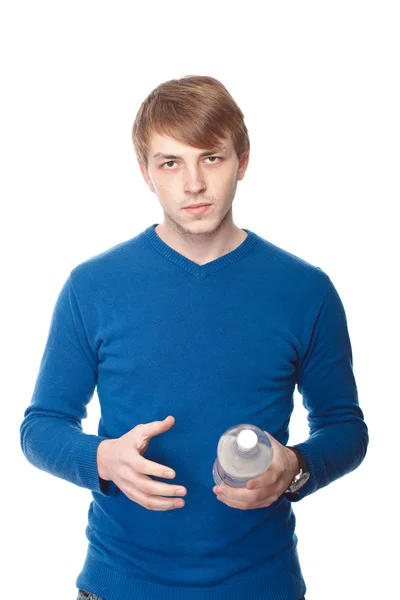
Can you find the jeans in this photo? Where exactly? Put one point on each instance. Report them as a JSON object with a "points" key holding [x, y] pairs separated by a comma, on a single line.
{"points": [[83, 595]]}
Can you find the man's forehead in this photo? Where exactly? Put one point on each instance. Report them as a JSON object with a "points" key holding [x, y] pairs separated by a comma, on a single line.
{"points": [[164, 144]]}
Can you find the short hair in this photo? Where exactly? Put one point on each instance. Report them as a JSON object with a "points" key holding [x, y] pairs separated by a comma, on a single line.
{"points": [[196, 110]]}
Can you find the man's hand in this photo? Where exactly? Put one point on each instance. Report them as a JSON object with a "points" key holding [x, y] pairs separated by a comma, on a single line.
{"points": [[268, 487], [120, 460]]}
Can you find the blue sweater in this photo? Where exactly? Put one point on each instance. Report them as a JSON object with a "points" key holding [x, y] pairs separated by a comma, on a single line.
{"points": [[214, 345]]}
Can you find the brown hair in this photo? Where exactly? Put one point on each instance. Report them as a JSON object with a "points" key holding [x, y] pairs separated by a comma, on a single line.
{"points": [[196, 110]]}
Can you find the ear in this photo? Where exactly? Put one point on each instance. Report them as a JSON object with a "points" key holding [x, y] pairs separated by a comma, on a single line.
{"points": [[244, 161], [146, 175]]}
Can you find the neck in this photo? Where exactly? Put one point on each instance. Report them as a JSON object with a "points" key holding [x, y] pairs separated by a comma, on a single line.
{"points": [[201, 247]]}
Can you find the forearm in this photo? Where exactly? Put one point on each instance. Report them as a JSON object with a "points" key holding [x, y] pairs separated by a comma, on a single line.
{"points": [[59, 446], [51, 434], [333, 451]]}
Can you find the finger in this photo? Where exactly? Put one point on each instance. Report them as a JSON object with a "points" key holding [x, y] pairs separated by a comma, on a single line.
{"points": [[157, 502], [148, 467], [237, 494], [156, 488], [246, 505], [253, 484], [267, 479]]}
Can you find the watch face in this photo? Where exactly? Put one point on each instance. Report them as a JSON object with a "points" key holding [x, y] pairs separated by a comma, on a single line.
{"points": [[302, 480]]}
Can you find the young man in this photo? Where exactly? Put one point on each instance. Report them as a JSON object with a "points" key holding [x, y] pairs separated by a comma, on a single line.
{"points": [[212, 325]]}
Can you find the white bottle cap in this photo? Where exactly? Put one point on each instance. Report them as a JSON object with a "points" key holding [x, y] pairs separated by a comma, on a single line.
{"points": [[247, 439]]}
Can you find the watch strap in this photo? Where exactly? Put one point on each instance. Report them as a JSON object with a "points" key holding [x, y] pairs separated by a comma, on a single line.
{"points": [[304, 468]]}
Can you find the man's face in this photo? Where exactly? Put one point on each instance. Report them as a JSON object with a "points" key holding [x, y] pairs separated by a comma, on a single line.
{"points": [[181, 176]]}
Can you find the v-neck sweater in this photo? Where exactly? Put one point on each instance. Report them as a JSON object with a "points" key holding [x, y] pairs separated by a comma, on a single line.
{"points": [[214, 345]]}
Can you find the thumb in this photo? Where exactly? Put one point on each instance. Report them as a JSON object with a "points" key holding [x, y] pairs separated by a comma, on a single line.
{"points": [[145, 431], [153, 428], [160, 426], [273, 441]]}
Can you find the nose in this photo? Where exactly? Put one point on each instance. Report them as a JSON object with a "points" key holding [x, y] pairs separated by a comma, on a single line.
{"points": [[194, 181]]}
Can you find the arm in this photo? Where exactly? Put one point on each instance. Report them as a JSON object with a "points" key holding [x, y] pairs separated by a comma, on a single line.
{"points": [[338, 434], [51, 433]]}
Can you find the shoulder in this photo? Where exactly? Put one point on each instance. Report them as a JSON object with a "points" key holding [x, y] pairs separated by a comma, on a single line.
{"points": [[291, 270], [108, 268]]}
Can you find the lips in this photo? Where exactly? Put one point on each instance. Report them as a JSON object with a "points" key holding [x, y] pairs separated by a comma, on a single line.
{"points": [[196, 205], [198, 209]]}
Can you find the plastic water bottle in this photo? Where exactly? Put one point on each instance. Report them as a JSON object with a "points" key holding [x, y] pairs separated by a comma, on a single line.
{"points": [[244, 452]]}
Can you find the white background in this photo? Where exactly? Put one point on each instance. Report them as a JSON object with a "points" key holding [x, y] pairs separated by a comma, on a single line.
{"points": [[318, 83]]}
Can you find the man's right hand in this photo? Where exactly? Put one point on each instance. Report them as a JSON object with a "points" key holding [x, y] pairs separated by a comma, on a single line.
{"points": [[121, 461]]}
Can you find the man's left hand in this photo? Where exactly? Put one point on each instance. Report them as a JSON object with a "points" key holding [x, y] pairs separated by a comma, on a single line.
{"points": [[268, 487]]}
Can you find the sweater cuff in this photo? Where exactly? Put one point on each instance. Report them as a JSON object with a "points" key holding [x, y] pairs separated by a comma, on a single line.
{"points": [[88, 465], [107, 488]]}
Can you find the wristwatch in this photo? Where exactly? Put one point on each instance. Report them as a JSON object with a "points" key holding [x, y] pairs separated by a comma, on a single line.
{"points": [[302, 476]]}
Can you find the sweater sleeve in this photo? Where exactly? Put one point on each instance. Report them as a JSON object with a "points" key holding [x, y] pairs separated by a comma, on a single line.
{"points": [[51, 433], [338, 434]]}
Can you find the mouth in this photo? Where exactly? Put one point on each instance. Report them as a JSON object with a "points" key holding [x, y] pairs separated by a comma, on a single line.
{"points": [[199, 209]]}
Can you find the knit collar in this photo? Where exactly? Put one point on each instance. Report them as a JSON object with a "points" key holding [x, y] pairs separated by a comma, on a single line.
{"points": [[200, 271]]}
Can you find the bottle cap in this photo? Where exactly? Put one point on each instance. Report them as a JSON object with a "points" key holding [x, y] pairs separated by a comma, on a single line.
{"points": [[247, 439]]}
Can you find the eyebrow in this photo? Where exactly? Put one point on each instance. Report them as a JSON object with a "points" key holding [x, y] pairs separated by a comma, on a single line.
{"points": [[220, 150]]}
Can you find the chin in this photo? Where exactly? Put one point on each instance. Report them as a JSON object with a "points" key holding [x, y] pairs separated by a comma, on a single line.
{"points": [[200, 225]]}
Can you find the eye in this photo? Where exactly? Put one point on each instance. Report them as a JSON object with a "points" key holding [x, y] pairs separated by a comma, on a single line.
{"points": [[169, 162]]}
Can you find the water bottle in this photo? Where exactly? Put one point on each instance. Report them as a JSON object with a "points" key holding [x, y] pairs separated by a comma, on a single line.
{"points": [[244, 452]]}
